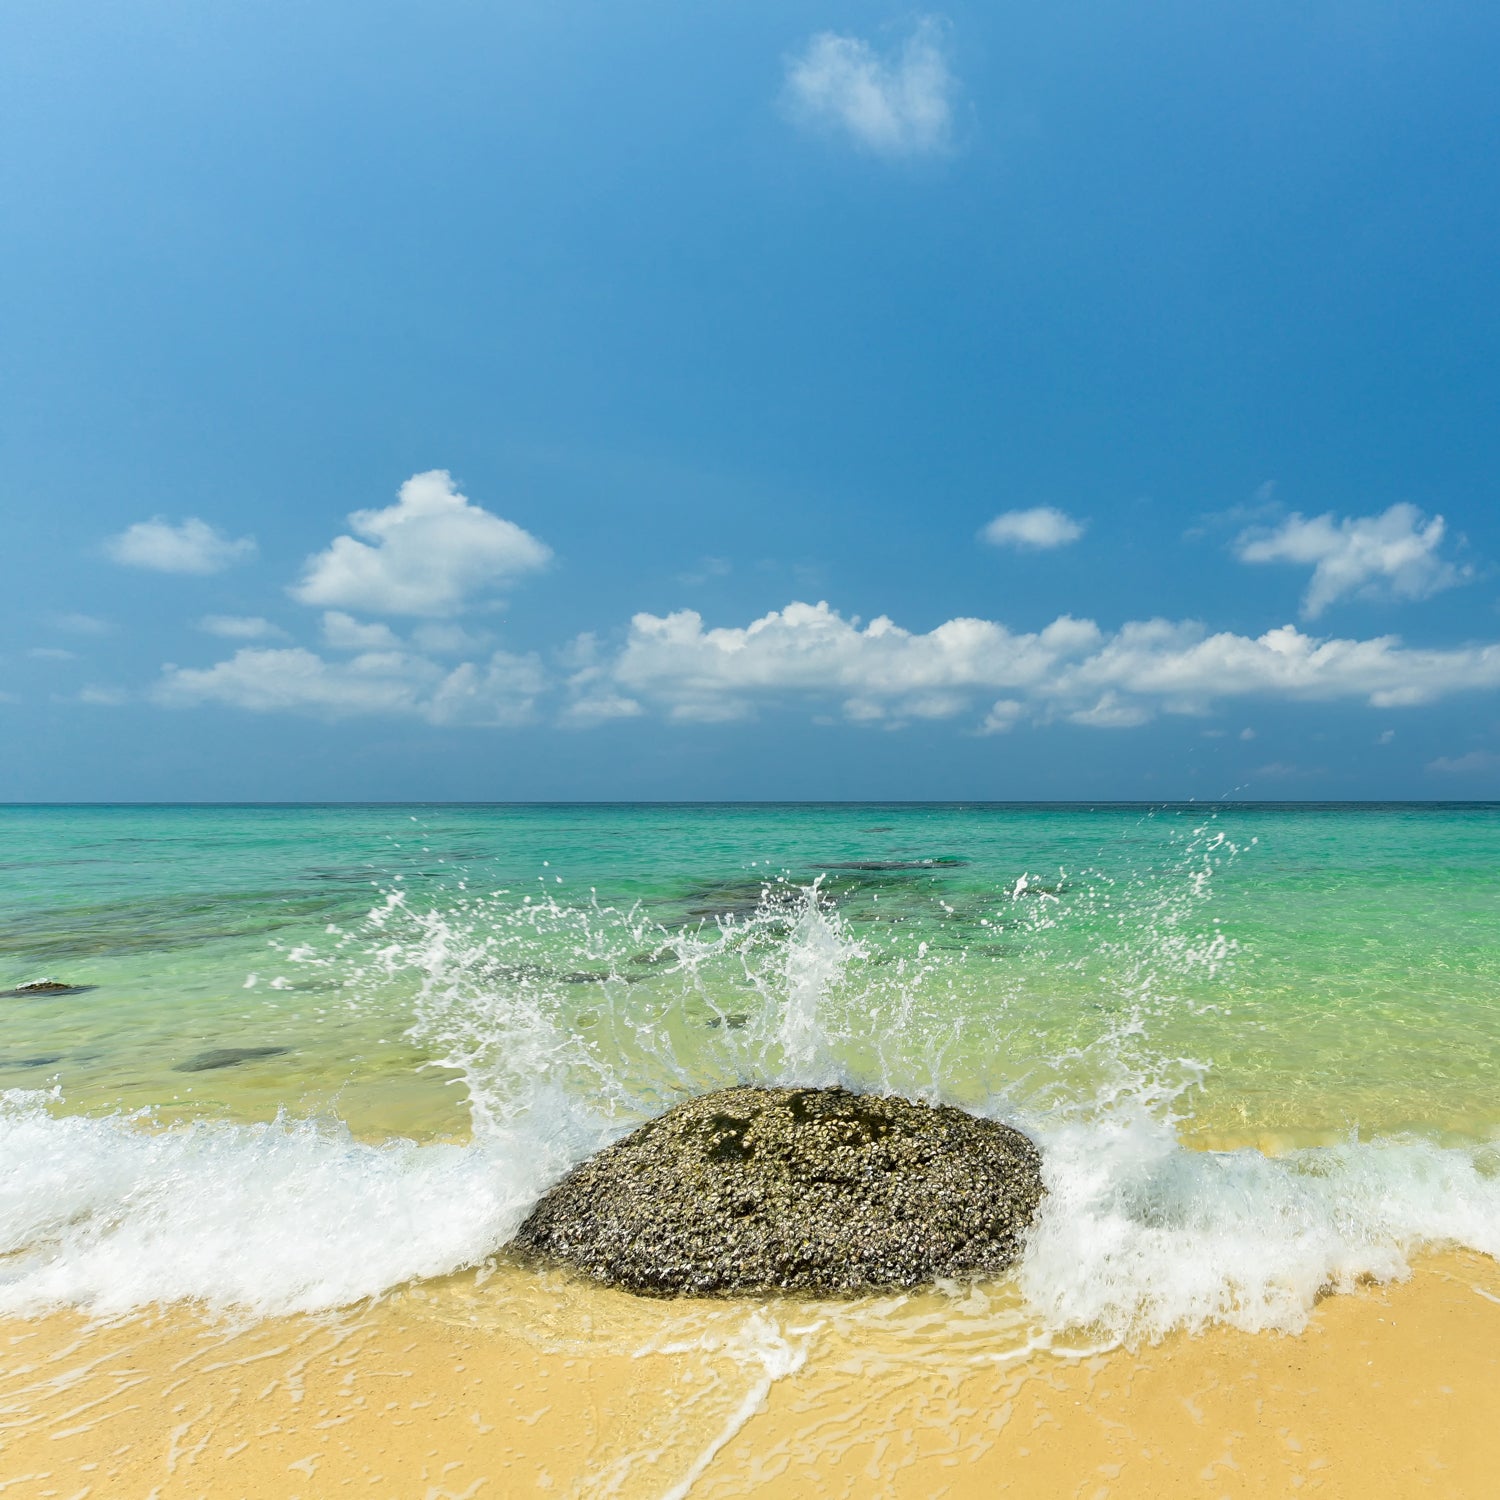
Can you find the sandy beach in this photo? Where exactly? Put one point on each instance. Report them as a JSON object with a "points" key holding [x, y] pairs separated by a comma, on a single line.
{"points": [[1390, 1391]]}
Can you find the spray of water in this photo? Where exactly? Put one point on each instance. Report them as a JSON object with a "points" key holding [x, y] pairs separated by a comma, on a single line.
{"points": [[1055, 1001]]}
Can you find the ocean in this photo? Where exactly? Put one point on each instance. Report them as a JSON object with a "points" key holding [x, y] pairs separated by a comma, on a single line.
{"points": [[320, 1053]]}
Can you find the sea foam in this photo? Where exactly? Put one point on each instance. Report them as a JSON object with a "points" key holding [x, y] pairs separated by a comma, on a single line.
{"points": [[563, 1044], [110, 1214], [1138, 1235]]}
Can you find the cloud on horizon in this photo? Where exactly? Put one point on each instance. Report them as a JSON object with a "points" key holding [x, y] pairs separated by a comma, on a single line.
{"points": [[810, 656], [1468, 764], [193, 546], [1071, 670], [429, 554], [899, 104], [1390, 556]]}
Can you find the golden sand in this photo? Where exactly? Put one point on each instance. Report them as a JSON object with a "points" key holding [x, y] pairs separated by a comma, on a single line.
{"points": [[520, 1385]]}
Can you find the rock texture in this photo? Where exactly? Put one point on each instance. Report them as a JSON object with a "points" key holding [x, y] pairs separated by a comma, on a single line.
{"points": [[802, 1189]]}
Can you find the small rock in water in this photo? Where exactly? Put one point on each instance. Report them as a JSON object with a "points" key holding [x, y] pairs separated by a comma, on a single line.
{"points": [[46, 987], [225, 1057], [793, 1189], [30, 1062], [732, 1022]]}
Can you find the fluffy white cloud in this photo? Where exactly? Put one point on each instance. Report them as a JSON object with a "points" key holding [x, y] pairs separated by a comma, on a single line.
{"points": [[1038, 529], [810, 649], [501, 691], [900, 104], [191, 547], [1070, 670], [1392, 555], [241, 627], [425, 555]]}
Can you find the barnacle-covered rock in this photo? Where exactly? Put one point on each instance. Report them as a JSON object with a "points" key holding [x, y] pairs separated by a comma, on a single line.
{"points": [[815, 1190]]}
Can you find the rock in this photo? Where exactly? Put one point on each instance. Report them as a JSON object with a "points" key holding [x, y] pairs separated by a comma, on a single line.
{"points": [[46, 987], [225, 1057], [793, 1189]]}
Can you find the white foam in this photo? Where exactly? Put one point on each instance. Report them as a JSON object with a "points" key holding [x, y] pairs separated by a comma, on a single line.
{"points": [[109, 1214], [1138, 1235]]}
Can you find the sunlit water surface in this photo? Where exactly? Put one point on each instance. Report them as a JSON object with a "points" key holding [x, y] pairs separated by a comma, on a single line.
{"points": [[325, 1051]]}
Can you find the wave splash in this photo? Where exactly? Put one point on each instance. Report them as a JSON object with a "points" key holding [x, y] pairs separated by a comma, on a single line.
{"points": [[570, 1023]]}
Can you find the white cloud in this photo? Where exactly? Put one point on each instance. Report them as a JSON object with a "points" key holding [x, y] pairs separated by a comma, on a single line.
{"points": [[900, 104], [706, 571], [103, 697], [449, 640], [241, 627], [1392, 555], [501, 691], [1071, 670], [76, 624], [51, 653], [1464, 765], [1038, 529], [425, 555], [345, 633], [1004, 715], [597, 707], [191, 547]]}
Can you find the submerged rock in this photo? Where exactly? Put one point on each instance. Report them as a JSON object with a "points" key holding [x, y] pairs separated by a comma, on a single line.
{"points": [[225, 1057], [46, 987], [887, 866], [793, 1189]]}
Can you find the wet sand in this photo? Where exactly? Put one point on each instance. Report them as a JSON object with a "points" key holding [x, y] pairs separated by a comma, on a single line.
{"points": [[516, 1385]]}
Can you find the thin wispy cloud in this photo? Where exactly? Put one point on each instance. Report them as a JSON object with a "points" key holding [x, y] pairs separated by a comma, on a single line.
{"points": [[1472, 763], [241, 628], [431, 553], [1394, 555], [191, 546], [897, 103], [1036, 530], [80, 624]]}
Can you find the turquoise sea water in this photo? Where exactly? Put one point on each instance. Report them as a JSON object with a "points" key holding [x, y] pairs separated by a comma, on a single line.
{"points": [[1258, 1044]]}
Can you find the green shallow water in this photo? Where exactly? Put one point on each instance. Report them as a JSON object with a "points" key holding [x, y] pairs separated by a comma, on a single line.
{"points": [[1273, 975]]}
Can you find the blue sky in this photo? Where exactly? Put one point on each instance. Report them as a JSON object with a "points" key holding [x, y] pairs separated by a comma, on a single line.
{"points": [[658, 400]]}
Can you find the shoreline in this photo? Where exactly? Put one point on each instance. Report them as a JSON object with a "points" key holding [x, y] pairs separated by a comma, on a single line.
{"points": [[515, 1383]]}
